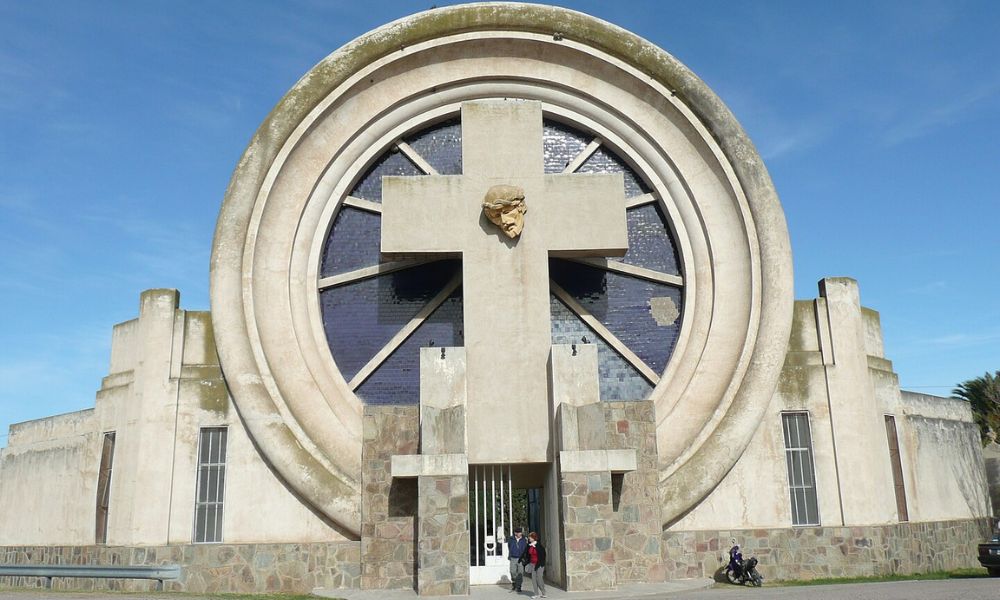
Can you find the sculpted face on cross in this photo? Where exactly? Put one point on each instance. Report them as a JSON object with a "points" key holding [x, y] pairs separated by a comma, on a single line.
{"points": [[504, 206]]}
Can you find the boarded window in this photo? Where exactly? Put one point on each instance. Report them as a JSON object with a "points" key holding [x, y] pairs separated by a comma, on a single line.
{"points": [[211, 486], [104, 488], [897, 468], [801, 475]]}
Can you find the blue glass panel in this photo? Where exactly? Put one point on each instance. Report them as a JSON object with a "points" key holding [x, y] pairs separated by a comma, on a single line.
{"points": [[561, 144], [650, 244], [603, 160], [441, 146], [397, 380], [393, 162], [353, 242], [361, 317], [618, 379], [624, 304]]}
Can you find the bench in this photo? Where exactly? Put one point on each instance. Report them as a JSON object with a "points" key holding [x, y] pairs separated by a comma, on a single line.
{"points": [[157, 572]]}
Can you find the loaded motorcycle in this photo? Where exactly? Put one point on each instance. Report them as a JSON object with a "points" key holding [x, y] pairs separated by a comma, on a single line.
{"points": [[740, 571]]}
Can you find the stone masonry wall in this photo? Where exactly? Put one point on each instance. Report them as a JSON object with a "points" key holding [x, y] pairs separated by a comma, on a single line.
{"points": [[636, 500], [443, 536], [205, 568], [612, 522], [388, 507], [814, 552], [588, 529]]}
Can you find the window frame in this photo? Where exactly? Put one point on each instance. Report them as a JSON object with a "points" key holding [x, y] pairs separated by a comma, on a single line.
{"points": [[896, 465], [216, 504], [105, 472], [809, 461]]}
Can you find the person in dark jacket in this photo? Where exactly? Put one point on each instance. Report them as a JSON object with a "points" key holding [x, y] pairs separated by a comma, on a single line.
{"points": [[516, 547], [534, 563]]}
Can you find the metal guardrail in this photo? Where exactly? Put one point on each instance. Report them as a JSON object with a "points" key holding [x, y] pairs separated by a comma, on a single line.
{"points": [[157, 572]]}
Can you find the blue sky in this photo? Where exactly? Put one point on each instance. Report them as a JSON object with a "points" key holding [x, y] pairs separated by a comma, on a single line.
{"points": [[121, 122]]}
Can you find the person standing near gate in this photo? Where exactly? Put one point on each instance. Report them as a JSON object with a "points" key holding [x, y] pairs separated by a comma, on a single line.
{"points": [[534, 563], [516, 547]]}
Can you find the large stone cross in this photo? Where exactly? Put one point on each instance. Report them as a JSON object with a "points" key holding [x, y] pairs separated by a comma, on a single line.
{"points": [[505, 282]]}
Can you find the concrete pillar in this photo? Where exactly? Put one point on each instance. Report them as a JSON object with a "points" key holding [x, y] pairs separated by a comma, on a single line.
{"points": [[442, 473], [862, 453], [388, 505], [443, 535], [145, 446], [585, 465]]}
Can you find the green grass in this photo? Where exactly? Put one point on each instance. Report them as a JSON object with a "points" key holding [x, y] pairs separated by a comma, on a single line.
{"points": [[244, 596], [969, 573], [164, 595]]}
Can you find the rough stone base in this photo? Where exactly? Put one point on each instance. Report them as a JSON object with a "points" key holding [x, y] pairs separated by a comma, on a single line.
{"points": [[205, 568], [635, 496], [587, 525], [814, 552], [443, 528], [388, 506]]}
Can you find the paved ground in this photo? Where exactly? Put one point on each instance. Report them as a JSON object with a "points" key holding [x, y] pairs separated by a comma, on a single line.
{"points": [[949, 589], [502, 592], [952, 589]]}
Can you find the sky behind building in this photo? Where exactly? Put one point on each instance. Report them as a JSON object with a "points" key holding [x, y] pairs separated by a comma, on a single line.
{"points": [[121, 123]]}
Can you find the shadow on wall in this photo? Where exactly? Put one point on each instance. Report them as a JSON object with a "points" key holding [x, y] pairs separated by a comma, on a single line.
{"points": [[972, 479], [947, 446], [991, 455]]}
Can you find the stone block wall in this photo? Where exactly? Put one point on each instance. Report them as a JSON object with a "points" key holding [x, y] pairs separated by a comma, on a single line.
{"points": [[815, 552], [205, 568], [443, 535], [588, 529], [612, 521], [388, 507], [636, 500]]}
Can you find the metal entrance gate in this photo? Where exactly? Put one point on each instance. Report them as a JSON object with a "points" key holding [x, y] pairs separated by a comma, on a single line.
{"points": [[490, 518]]}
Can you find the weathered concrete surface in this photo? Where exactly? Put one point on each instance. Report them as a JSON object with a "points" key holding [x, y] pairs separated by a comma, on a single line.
{"points": [[54, 463], [947, 469], [443, 401], [443, 550], [847, 392], [164, 384], [716, 190], [991, 456], [505, 283]]}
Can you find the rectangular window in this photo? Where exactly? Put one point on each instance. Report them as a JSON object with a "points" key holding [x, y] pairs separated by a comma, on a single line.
{"points": [[897, 468], [801, 475], [104, 487], [211, 484]]}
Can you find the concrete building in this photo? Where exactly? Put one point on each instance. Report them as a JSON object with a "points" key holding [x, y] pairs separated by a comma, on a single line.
{"points": [[387, 364]]}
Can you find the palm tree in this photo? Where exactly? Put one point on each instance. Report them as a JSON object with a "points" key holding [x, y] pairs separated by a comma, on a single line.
{"points": [[983, 394]]}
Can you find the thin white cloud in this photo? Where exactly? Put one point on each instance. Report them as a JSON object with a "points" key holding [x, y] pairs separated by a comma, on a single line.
{"points": [[924, 121], [962, 340], [804, 136]]}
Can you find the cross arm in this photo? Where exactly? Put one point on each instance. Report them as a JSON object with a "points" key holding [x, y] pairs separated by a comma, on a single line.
{"points": [[585, 215], [424, 214]]}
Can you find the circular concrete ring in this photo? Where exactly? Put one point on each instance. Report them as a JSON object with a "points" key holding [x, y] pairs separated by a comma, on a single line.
{"points": [[301, 162]]}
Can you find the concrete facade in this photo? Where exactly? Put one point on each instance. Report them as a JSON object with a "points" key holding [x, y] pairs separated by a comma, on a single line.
{"points": [[164, 385], [323, 489], [944, 474]]}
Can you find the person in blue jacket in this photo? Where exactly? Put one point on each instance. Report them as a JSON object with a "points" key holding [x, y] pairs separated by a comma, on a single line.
{"points": [[516, 547]]}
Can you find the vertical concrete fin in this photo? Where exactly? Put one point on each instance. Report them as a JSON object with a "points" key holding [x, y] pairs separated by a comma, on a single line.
{"points": [[861, 447], [822, 311]]}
